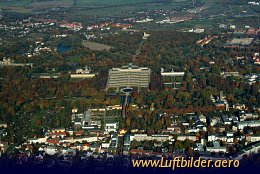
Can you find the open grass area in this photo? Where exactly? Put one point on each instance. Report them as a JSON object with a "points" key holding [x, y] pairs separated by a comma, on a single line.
{"points": [[199, 23], [74, 58]]}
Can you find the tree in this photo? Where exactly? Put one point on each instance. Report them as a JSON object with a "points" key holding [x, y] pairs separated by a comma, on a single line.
{"points": [[138, 100], [134, 144], [186, 144], [211, 129], [178, 145], [128, 122], [231, 98], [190, 152], [252, 100]]}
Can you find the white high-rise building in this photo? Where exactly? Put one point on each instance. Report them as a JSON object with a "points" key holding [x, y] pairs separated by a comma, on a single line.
{"points": [[128, 76]]}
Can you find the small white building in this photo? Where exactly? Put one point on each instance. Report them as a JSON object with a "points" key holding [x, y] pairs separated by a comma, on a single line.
{"points": [[216, 149], [74, 110], [232, 26], [51, 150], [188, 137], [203, 118], [193, 130], [111, 127], [142, 137], [213, 121], [245, 116], [212, 137], [3, 147], [243, 124], [37, 140], [105, 145], [255, 138], [146, 35]]}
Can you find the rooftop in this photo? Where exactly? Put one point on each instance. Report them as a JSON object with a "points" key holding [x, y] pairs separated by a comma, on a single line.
{"points": [[240, 41], [130, 67]]}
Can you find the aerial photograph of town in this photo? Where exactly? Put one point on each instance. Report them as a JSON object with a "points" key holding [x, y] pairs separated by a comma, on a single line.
{"points": [[129, 86]]}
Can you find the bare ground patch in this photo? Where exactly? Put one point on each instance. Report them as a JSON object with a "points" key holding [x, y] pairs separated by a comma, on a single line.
{"points": [[96, 46]]}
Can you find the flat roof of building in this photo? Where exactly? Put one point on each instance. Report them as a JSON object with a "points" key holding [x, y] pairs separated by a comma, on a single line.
{"points": [[240, 41], [172, 73], [129, 68]]}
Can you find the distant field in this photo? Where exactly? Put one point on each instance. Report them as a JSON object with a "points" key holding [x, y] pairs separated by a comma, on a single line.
{"points": [[18, 9], [109, 2], [96, 46], [35, 3], [91, 7], [54, 3], [14, 3], [199, 23], [83, 8], [78, 3], [119, 7]]}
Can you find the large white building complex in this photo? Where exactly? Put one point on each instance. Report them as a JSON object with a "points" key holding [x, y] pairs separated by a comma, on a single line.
{"points": [[128, 76], [172, 79]]}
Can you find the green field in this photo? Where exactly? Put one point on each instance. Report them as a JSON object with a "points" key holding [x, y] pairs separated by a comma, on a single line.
{"points": [[91, 7], [215, 11], [14, 3], [119, 7], [77, 3], [54, 3], [81, 3]]}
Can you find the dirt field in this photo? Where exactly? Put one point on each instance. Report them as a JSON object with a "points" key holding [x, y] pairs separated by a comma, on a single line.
{"points": [[96, 46]]}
